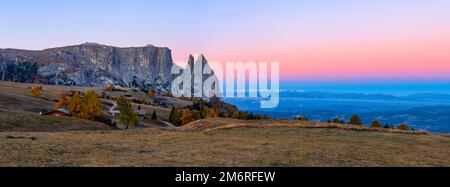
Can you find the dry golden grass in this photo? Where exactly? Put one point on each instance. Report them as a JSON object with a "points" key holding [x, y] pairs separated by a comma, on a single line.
{"points": [[287, 146], [12, 98]]}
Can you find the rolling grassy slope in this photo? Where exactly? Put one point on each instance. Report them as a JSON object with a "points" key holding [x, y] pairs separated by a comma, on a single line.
{"points": [[15, 96]]}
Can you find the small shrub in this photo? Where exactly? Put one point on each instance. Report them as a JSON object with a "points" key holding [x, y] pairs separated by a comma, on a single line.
{"points": [[403, 126], [376, 124], [151, 93], [63, 100], [302, 118], [109, 88], [211, 113], [167, 94], [154, 117], [235, 114], [36, 91], [336, 120], [355, 120]]}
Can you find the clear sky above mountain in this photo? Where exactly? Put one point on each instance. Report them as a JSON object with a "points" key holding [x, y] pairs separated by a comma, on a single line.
{"points": [[320, 40]]}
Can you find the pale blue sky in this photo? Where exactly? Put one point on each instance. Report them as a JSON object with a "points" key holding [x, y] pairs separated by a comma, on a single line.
{"points": [[174, 23]]}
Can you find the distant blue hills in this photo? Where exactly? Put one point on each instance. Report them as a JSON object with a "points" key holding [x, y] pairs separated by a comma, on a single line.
{"points": [[422, 111]]}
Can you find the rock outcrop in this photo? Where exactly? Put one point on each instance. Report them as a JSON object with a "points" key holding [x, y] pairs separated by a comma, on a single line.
{"points": [[90, 64], [200, 72]]}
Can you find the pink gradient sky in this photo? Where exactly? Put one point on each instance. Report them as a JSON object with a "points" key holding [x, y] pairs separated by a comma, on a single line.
{"points": [[350, 41], [322, 40]]}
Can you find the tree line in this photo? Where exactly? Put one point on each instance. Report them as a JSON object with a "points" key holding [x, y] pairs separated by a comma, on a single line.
{"points": [[212, 108], [356, 120]]}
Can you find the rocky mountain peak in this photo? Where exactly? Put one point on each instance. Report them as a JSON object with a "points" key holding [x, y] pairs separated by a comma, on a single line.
{"points": [[198, 65], [198, 59]]}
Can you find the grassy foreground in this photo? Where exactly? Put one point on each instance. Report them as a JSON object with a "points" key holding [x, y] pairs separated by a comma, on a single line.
{"points": [[288, 146]]}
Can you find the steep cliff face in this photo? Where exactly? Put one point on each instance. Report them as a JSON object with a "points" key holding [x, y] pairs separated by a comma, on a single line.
{"points": [[91, 65]]}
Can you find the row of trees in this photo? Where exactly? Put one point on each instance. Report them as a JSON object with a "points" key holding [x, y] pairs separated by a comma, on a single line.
{"points": [[356, 120], [377, 124]]}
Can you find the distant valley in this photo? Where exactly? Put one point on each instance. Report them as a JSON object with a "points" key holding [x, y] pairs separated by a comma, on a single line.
{"points": [[425, 111]]}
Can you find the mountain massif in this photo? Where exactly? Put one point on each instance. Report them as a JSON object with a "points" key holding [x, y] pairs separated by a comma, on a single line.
{"points": [[90, 64]]}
